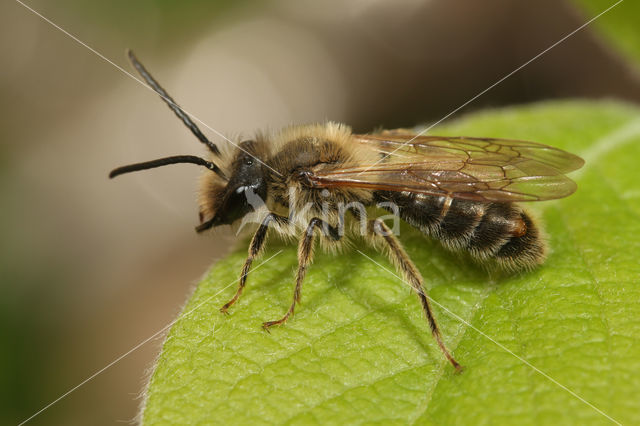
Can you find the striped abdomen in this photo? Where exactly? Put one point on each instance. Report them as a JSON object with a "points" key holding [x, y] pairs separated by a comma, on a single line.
{"points": [[500, 231]]}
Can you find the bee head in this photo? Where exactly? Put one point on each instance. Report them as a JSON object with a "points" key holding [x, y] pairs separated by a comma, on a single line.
{"points": [[225, 196], [222, 202]]}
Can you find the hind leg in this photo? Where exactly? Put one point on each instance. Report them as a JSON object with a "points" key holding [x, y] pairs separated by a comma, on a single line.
{"points": [[381, 232]]}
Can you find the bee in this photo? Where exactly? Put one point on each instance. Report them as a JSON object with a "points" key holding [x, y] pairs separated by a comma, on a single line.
{"points": [[461, 191]]}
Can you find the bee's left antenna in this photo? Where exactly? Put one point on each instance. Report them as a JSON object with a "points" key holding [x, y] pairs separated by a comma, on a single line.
{"points": [[177, 159], [172, 104]]}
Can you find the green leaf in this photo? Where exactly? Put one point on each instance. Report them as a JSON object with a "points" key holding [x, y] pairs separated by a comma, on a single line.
{"points": [[359, 349], [619, 26]]}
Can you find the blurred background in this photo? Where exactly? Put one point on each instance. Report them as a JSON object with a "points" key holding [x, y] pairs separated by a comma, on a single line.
{"points": [[89, 267]]}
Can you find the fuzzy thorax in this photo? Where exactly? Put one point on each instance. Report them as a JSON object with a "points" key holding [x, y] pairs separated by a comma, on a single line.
{"points": [[280, 157]]}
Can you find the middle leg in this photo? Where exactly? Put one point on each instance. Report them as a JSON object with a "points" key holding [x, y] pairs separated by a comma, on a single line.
{"points": [[305, 255]]}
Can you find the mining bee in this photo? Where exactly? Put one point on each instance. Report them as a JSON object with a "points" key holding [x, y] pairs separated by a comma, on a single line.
{"points": [[459, 190]]}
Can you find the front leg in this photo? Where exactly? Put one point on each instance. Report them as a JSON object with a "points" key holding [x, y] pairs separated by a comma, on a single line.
{"points": [[255, 249], [305, 255]]}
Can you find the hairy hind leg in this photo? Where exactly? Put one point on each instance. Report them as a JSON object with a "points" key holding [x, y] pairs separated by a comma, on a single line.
{"points": [[381, 232]]}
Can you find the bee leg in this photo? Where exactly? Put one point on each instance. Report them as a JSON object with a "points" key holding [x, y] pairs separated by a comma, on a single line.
{"points": [[305, 255], [255, 249], [399, 257]]}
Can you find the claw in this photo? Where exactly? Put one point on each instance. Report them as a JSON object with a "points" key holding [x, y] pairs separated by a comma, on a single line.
{"points": [[266, 325], [458, 367]]}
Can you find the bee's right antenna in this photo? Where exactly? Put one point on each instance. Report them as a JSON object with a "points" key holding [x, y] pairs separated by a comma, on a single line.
{"points": [[172, 104]]}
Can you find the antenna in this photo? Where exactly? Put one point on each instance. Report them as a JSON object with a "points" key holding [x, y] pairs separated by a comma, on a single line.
{"points": [[172, 104]]}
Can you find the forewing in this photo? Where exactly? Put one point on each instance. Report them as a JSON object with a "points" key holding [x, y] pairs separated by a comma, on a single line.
{"points": [[477, 150], [468, 168]]}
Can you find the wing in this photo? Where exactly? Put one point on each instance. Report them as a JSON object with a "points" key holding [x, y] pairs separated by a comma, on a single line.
{"points": [[479, 169]]}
